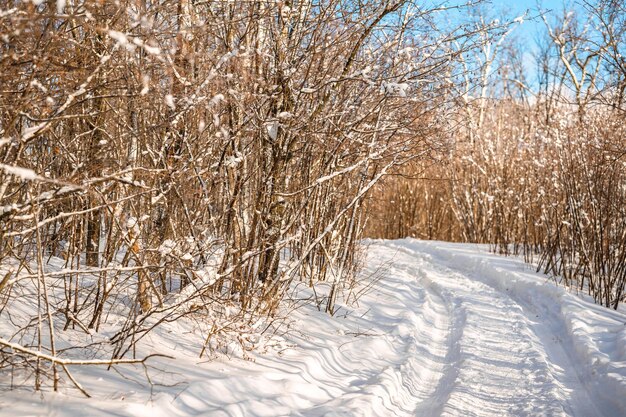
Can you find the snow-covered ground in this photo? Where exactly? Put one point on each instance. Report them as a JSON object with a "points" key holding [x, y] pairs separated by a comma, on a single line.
{"points": [[446, 329]]}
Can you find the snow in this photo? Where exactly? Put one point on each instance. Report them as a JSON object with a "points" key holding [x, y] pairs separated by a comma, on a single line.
{"points": [[30, 132], [23, 173], [272, 129], [167, 247], [6, 13], [440, 329], [233, 161], [36, 83], [121, 39], [153, 50], [206, 276], [399, 89], [169, 100], [133, 225], [218, 98]]}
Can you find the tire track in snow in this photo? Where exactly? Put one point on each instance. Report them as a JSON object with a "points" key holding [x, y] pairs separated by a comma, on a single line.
{"points": [[586, 395], [513, 361], [417, 326], [432, 404], [501, 368], [437, 326]]}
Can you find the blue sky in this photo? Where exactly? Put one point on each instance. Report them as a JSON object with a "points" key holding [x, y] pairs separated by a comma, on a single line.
{"points": [[515, 8], [531, 29], [528, 34], [509, 9]]}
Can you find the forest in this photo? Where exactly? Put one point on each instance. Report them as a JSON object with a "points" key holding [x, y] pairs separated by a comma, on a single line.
{"points": [[195, 161]]}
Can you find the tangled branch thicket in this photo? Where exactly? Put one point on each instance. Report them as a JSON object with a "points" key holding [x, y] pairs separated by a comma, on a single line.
{"points": [[535, 171], [162, 159]]}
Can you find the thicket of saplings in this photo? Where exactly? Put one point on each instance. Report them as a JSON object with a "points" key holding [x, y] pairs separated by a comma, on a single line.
{"points": [[545, 177], [179, 158]]}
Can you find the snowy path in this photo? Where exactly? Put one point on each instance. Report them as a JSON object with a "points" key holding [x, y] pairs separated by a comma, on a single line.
{"points": [[448, 330], [501, 360]]}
